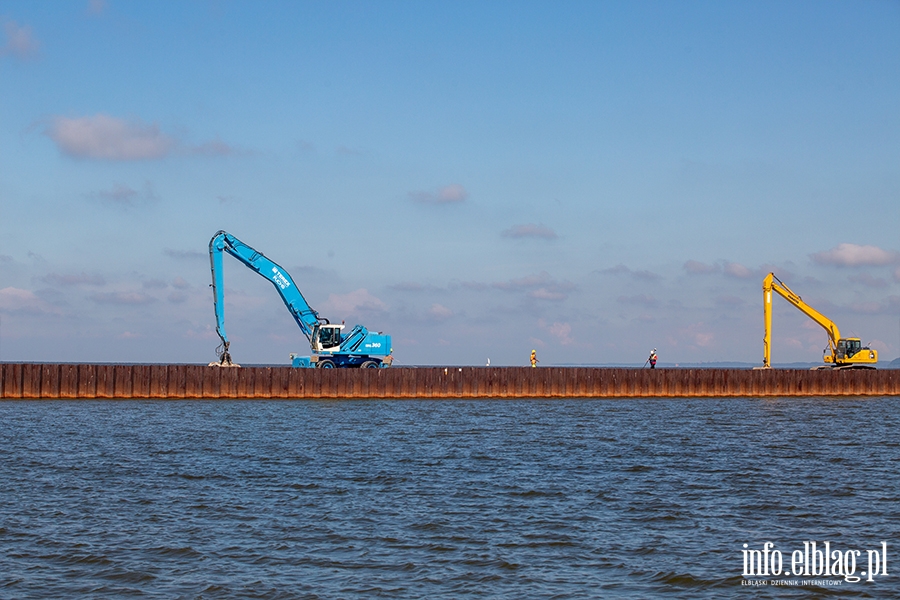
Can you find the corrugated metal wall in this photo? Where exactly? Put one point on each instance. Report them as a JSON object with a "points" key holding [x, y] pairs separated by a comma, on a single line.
{"points": [[31, 380]]}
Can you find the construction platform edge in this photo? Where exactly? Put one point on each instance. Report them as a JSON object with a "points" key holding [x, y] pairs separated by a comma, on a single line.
{"points": [[120, 381]]}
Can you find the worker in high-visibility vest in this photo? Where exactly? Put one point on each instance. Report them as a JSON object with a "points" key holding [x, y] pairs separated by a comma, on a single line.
{"points": [[652, 359], [534, 360]]}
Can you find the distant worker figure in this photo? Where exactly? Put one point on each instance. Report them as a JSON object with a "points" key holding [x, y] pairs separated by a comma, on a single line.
{"points": [[534, 360], [652, 359]]}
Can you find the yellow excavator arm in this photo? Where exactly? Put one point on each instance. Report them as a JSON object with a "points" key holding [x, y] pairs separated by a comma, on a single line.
{"points": [[843, 352]]}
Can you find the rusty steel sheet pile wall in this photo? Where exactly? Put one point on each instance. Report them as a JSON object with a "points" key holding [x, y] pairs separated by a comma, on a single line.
{"points": [[31, 380]]}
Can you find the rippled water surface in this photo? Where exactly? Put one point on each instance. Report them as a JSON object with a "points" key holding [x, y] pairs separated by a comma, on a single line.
{"points": [[445, 498]]}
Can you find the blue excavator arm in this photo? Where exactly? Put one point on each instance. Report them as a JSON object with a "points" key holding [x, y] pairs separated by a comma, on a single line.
{"points": [[303, 314]]}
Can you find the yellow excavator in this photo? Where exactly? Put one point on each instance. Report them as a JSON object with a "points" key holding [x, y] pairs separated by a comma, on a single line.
{"points": [[845, 353]]}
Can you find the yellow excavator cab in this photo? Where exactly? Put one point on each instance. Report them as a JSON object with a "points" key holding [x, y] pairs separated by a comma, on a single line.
{"points": [[850, 351]]}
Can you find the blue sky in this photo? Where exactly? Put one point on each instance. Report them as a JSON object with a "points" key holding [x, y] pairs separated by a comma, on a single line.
{"points": [[591, 180]]}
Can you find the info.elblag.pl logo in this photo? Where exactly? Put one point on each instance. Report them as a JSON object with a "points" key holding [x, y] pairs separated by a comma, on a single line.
{"points": [[814, 560]]}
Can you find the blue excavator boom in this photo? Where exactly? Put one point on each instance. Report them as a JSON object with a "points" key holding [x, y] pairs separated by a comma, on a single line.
{"points": [[331, 348]]}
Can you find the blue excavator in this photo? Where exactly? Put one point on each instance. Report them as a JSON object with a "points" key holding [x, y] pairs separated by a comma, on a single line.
{"points": [[331, 347]]}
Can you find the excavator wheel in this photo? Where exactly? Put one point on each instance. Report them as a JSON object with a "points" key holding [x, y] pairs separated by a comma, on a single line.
{"points": [[326, 364], [369, 364]]}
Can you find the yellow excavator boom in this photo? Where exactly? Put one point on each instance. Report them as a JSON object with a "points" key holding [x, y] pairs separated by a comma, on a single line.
{"points": [[843, 352]]}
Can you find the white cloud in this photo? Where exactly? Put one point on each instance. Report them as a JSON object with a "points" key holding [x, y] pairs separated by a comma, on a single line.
{"points": [[854, 255], [737, 270], [354, 302], [699, 334], [109, 138], [207, 333], [96, 7], [642, 275], [540, 287], [20, 41], [214, 147], [104, 137], [561, 331], [23, 302], [530, 230], [449, 194], [543, 293], [125, 196], [440, 312], [639, 300], [452, 193], [536, 342], [704, 339], [698, 268], [791, 342]]}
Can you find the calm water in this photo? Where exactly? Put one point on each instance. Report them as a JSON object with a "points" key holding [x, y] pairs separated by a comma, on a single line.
{"points": [[445, 498]]}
